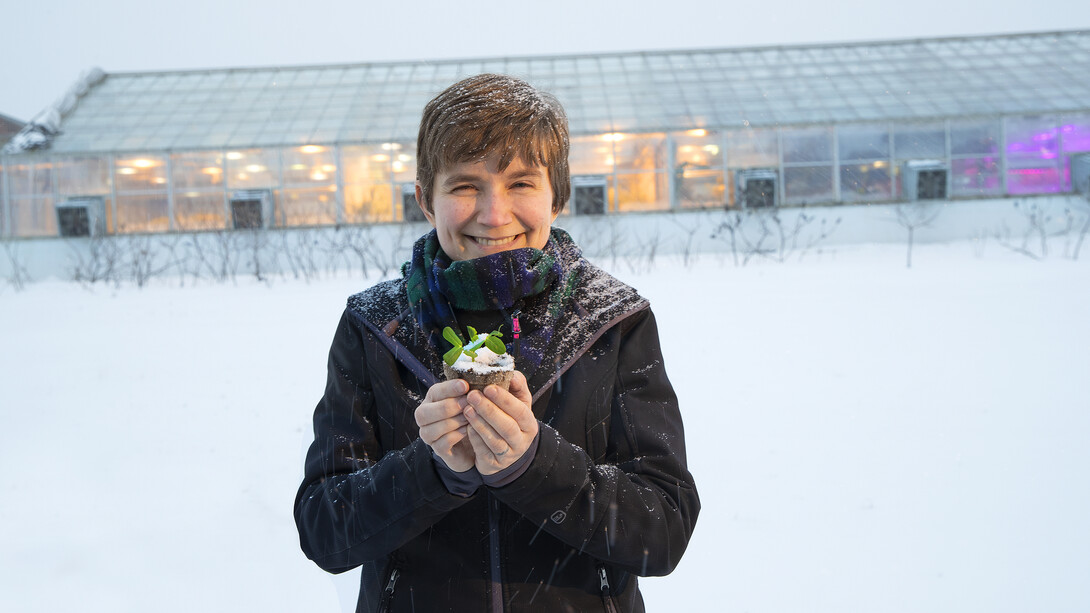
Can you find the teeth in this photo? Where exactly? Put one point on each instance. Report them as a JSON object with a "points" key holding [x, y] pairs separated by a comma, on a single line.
{"points": [[489, 242]]}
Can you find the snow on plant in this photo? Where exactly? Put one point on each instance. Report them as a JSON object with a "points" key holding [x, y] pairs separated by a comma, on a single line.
{"points": [[491, 340]]}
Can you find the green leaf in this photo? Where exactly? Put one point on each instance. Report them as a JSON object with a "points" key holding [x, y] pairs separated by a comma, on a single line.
{"points": [[497, 334], [495, 345], [471, 353], [472, 333], [452, 337], [451, 356]]}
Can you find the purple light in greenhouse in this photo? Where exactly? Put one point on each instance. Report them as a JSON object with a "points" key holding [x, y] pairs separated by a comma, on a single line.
{"points": [[1076, 138]]}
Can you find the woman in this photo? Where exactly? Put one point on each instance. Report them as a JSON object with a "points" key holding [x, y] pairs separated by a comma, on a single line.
{"points": [[552, 496]]}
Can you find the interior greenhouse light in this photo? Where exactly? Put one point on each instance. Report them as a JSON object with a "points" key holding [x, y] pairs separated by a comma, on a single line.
{"points": [[311, 149], [255, 168], [144, 163], [697, 132], [613, 137], [234, 155], [391, 146]]}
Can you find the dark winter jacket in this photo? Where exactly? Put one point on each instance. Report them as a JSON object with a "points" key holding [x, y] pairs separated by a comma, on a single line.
{"points": [[607, 496]]}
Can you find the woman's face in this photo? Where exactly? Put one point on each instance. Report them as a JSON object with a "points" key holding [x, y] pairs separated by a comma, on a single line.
{"points": [[477, 210]]}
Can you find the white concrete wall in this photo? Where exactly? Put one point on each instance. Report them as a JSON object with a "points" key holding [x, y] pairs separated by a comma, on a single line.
{"points": [[320, 251]]}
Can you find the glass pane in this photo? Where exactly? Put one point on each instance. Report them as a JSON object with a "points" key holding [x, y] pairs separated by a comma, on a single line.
{"points": [[974, 137], [806, 184], [142, 214], [203, 170], [33, 217], [640, 151], [975, 177], [591, 155], [83, 176], [1076, 134], [1032, 139], [753, 149], [808, 145], [919, 141], [402, 161], [868, 142], [199, 210], [643, 191], [308, 206], [309, 164], [865, 182], [365, 164], [253, 168], [697, 149], [700, 188], [368, 203], [140, 173], [30, 178], [1033, 180]]}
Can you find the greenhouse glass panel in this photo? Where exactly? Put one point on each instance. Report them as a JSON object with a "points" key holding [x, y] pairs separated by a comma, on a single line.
{"points": [[32, 217], [808, 184], [591, 155], [144, 172], [808, 145], [83, 176], [368, 203], [865, 142], [697, 149], [645, 191], [1033, 164], [195, 171], [968, 138], [640, 151], [919, 141], [700, 188], [309, 164], [865, 182], [253, 168], [307, 206], [753, 148], [199, 210], [975, 177], [403, 161], [28, 178], [1076, 133], [142, 213], [365, 164]]}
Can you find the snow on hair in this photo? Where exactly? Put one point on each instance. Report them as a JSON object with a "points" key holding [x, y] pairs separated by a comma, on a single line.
{"points": [[490, 114]]}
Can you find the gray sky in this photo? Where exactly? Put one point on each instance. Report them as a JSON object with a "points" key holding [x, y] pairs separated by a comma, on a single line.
{"points": [[45, 45]]}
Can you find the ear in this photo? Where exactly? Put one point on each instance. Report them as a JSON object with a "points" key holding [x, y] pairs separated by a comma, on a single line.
{"points": [[420, 203]]}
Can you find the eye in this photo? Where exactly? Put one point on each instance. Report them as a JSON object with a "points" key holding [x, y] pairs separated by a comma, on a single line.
{"points": [[464, 188]]}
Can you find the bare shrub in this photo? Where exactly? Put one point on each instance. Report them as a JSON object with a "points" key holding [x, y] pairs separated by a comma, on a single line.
{"points": [[18, 277], [913, 216]]}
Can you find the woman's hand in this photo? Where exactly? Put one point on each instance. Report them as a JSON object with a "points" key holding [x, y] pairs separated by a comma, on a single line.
{"points": [[443, 427], [502, 424]]}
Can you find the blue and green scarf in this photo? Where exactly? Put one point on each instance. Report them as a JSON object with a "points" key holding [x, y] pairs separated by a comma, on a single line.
{"points": [[437, 287]]}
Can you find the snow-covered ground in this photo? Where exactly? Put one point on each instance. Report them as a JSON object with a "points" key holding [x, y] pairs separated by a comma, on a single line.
{"points": [[864, 437]]}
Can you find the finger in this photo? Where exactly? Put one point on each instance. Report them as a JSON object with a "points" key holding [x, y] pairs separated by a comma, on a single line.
{"points": [[431, 412], [499, 419], [491, 440], [521, 389], [518, 409], [446, 389], [435, 431]]}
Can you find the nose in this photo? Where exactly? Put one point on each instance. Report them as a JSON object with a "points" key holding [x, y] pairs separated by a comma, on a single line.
{"points": [[494, 208]]}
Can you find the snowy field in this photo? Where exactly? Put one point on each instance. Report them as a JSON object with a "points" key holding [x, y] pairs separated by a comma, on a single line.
{"points": [[864, 437]]}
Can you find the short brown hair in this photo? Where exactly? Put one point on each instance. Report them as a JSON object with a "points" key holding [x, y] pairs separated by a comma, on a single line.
{"points": [[491, 114]]}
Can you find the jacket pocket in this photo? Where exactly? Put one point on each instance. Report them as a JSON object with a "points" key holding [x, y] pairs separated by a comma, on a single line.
{"points": [[388, 590], [607, 596]]}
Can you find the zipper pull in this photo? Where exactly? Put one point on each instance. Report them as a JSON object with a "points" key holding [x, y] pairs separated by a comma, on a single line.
{"points": [[516, 329], [390, 584], [603, 580]]}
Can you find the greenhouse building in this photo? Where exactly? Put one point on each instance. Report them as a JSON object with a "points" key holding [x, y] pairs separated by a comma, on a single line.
{"points": [[786, 126]]}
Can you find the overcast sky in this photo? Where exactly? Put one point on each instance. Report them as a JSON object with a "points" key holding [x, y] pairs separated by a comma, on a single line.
{"points": [[46, 44]]}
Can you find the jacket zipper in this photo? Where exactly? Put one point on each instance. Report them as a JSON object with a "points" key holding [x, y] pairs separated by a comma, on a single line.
{"points": [[388, 591], [496, 604], [607, 599]]}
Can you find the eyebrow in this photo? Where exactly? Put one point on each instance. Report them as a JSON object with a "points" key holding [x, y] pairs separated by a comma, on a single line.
{"points": [[468, 177]]}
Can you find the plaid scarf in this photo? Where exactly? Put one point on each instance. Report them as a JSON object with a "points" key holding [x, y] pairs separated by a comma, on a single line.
{"points": [[437, 287]]}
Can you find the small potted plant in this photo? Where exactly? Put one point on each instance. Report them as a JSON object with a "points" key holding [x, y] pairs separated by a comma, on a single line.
{"points": [[482, 361]]}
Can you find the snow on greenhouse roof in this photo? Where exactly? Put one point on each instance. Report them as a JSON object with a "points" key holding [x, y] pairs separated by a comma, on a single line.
{"points": [[612, 92]]}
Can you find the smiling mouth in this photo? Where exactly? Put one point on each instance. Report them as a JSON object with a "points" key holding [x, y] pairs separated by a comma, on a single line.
{"points": [[493, 242]]}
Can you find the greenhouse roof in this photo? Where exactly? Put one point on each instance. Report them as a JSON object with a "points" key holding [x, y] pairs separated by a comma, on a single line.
{"points": [[1035, 73]]}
